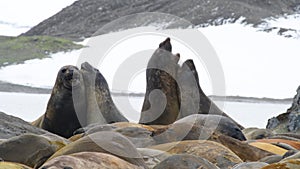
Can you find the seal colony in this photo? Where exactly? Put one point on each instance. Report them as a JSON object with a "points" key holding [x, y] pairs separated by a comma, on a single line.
{"points": [[179, 127]]}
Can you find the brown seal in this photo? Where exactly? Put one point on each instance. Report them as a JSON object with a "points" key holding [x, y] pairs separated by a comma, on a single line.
{"points": [[29, 149], [63, 116], [10, 165], [104, 142], [173, 92], [212, 151], [161, 100], [185, 161], [199, 127], [284, 164], [93, 160]]}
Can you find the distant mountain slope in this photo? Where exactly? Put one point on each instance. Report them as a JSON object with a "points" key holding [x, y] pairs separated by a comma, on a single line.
{"points": [[84, 17]]}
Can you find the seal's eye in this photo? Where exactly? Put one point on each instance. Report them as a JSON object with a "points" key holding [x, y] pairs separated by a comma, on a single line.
{"points": [[63, 70]]}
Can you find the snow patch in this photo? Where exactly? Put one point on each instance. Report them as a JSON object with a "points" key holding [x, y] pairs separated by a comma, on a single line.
{"points": [[38, 72], [287, 26], [255, 63]]}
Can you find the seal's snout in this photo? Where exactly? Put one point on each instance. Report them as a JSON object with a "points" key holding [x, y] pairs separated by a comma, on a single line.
{"points": [[166, 45], [86, 66], [70, 76], [71, 72]]}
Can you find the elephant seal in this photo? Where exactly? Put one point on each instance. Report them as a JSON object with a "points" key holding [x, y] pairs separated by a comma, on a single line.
{"points": [[139, 135], [104, 142], [161, 104], [212, 151], [10, 165], [100, 108], [152, 157], [199, 127], [250, 165], [241, 148], [256, 133], [173, 92], [193, 99], [29, 149], [185, 161], [63, 116], [271, 159], [269, 147], [285, 164], [93, 160]]}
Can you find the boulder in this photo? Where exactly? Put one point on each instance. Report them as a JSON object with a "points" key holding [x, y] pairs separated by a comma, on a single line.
{"points": [[11, 126]]}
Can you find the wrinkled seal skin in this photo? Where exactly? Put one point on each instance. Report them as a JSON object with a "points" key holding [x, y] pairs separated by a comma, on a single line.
{"points": [[89, 160], [29, 149], [185, 161], [62, 116], [100, 108], [161, 74], [104, 142]]}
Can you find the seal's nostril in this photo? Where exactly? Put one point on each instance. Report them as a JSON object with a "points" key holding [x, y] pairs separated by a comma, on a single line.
{"points": [[71, 72]]}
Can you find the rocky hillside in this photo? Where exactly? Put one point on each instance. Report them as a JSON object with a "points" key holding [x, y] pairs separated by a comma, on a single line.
{"points": [[84, 17]]}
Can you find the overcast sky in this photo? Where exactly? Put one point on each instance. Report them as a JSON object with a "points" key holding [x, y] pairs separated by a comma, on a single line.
{"points": [[30, 12]]}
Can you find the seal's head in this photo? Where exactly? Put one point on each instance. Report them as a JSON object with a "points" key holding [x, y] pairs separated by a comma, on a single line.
{"points": [[69, 76]]}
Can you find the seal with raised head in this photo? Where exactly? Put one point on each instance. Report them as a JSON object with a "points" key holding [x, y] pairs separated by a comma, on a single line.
{"points": [[63, 116], [161, 104], [173, 92], [193, 99], [100, 106]]}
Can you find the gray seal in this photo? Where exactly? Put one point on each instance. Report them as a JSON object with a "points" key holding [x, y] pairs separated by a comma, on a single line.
{"points": [[62, 115]]}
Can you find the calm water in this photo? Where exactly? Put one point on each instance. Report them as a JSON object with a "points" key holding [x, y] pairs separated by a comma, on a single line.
{"points": [[31, 106]]}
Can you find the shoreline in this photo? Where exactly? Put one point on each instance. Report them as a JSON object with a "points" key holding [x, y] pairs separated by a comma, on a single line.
{"points": [[15, 88]]}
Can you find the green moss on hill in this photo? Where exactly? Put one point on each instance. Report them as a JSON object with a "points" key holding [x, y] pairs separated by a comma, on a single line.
{"points": [[22, 48]]}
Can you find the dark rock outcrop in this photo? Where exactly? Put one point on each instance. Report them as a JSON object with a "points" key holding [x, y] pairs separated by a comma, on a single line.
{"points": [[289, 121], [11, 126], [84, 17]]}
